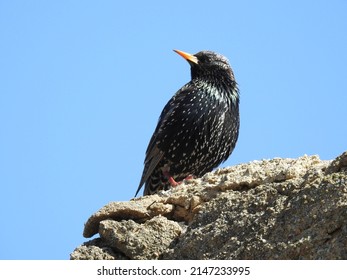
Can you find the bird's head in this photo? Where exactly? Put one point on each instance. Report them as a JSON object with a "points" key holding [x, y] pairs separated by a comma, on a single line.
{"points": [[207, 63]]}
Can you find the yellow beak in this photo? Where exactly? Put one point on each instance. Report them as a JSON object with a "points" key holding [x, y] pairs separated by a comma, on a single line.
{"points": [[187, 56]]}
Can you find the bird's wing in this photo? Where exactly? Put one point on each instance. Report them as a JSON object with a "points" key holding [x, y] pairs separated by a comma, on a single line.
{"points": [[153, 153], [151, 162]]}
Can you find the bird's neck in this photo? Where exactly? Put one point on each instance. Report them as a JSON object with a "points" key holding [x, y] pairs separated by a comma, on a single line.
{"points": [[222, 88]]}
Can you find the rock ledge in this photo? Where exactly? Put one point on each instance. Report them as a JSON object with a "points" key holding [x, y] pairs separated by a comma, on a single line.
{"points": [[269, 209]]}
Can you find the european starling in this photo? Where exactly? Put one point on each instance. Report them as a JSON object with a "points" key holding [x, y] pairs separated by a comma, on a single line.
{"points": [[198, 128]]}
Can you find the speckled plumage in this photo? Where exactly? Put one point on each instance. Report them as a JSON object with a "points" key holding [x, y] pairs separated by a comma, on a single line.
{"points": [[199, 126]]}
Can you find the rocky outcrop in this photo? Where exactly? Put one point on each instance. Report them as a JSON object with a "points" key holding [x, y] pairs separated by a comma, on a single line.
{"points": [[269, 209]]}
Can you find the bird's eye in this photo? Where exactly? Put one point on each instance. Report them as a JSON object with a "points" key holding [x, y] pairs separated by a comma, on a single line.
{"points": [[202, 60]]}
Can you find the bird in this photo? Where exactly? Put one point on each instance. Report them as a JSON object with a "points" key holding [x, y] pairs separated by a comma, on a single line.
{"points": [[198, 127]]}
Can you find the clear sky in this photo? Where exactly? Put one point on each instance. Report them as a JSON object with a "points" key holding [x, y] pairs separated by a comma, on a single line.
{"points": [[82, 84]]}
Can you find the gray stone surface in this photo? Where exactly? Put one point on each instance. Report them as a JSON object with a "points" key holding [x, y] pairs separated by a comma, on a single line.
{"points": [[269, 209], [140, 241]]}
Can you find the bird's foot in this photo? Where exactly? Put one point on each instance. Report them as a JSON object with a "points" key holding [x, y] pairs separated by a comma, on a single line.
{"points": [[189, 177], [172, 181]]}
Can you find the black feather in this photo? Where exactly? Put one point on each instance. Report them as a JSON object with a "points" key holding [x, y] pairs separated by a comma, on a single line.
{"points": [[198, 128]]}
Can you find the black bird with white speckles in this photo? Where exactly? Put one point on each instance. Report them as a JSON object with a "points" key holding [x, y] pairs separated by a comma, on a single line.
{"points": [[198, 128]]}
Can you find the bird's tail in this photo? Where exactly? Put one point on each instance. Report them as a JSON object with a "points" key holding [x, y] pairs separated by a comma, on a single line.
{"points": [[156, 182]]}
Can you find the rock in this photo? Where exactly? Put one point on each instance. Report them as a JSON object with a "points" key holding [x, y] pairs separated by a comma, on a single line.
{"points": [[96, 249], [140, 241], [139, 210], [269, 209]]}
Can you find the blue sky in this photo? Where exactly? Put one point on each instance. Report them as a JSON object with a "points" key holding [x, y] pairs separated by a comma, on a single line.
{"points": [[82, 84]]}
